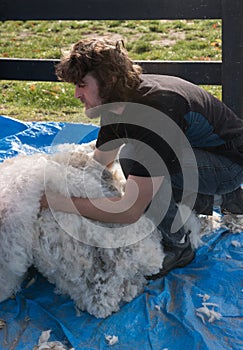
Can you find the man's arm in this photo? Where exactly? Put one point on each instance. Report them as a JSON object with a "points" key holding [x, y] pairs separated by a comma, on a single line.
{"points": [[138, 193], [105, 158]]}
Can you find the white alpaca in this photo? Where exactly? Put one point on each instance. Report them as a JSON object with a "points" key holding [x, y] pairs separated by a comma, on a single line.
{"points": [[88, 260], [98, 265]]}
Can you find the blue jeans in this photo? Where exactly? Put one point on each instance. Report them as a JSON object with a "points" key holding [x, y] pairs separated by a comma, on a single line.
{"points": [[216, 175]]}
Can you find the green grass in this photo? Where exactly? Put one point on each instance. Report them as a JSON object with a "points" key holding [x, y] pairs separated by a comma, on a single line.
{"points": [[145, 40], [41, 101]]}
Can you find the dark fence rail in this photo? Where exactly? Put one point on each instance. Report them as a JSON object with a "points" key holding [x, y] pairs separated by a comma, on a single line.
{"points": [[43, 70], [228, 73], [109, 9]]}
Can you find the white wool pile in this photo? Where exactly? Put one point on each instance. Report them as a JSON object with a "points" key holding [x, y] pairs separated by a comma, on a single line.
{"points": [[231, 222], [211, 314], [207, 312], [192, 225], [45, 344], [234, 223], [84, 259]]}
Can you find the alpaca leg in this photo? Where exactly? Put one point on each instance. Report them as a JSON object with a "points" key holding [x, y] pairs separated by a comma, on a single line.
{"points": [[9, 282], [15, 259]]}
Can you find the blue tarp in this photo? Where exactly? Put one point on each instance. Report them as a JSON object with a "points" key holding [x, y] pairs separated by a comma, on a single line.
{"points": [[163, 317]]}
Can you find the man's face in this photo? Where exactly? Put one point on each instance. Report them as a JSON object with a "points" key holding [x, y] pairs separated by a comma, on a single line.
{"points": [[88, 92]]}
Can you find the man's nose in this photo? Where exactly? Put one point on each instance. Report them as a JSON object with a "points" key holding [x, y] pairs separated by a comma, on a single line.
{"points": [[78, 92]]}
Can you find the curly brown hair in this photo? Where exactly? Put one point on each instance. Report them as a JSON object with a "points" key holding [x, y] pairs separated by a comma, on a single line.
{"points": [[118, 77]]}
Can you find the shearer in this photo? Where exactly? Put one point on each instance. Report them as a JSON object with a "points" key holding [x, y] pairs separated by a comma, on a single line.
{"points": [[174, 140]]}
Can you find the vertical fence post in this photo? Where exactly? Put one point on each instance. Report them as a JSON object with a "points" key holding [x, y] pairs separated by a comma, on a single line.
{"points": [[232, 45]]}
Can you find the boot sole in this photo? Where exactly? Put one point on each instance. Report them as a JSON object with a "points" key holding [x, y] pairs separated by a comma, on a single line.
{"points": [[184, 261]]}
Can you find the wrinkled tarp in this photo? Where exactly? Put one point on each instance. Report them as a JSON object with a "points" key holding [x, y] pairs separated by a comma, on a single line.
{"points": [[163, 317]]}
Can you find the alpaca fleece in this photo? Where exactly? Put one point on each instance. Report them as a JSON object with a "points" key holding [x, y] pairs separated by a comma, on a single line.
{"points": [[97, 265]]}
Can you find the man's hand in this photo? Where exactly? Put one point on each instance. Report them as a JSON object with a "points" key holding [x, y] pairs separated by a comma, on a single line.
{"points": [[105, 158]]}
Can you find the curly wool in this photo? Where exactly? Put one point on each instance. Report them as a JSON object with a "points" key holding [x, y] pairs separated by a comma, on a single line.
{"points": [[73, 252]]}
